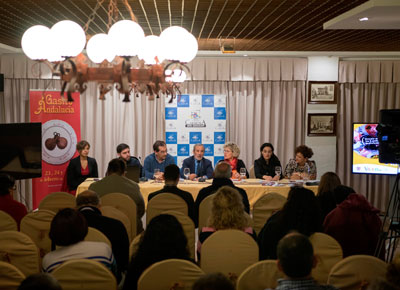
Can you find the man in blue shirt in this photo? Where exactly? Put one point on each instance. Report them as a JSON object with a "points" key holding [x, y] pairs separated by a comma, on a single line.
{"points": [[198, 165], [157, 160]]}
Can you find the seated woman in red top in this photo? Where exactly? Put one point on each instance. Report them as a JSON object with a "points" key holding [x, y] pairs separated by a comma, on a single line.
{"points": [[81, 167], [14, 208], [231, 156]]}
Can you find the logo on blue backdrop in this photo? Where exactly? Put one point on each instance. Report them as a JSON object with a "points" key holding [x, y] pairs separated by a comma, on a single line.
{"points": [[183, 101], [218, 159], [208, 149], [207, 100], [219, 137], [194, 137], [183, 149], [171, 113], [171, 137], [219, 114]]}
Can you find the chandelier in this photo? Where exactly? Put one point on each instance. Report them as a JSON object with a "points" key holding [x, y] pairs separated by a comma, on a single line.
{"points": [[160, 60]]}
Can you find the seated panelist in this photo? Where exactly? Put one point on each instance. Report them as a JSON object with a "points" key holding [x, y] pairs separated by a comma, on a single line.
{"points": [[231, 156], [155, 163], [199, 166], [268, 166], [301, 167]]}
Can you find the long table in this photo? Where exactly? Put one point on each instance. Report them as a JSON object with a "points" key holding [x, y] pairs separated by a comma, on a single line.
{"points": [[253, 188]]}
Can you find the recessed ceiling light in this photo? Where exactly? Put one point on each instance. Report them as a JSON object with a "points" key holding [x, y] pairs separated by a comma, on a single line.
{"points": [[244, 54], [364, 19]]}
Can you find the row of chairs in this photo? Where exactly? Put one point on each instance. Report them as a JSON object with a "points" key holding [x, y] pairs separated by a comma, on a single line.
{"points": [[349, 274]]}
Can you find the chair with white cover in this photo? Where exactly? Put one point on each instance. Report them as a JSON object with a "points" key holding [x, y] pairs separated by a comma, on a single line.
{"points": [[134, 246], [264, 207], [163, 202], [205, 211], [18, 249], [112, 212], [94, 235], [170, 274], [7, 222], [229, 252], [37, 226], [10, 276], [56, 201], [328, 252], [259, 276], [125, 204], [251, 172], [356, 271], [188, 228], [84, 274]]}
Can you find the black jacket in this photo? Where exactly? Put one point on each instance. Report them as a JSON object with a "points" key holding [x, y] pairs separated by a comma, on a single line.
{"points": [[187, 197], [74, 176], [216, 184], [114, 230], [261, 167]]}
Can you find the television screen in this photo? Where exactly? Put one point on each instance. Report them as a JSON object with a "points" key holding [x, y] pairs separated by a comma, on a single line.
{"points": [[366, 151], [21, 150]]}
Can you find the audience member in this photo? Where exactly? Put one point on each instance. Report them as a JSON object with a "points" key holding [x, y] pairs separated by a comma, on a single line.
{"points": [[222, 174], [231, 155], [355, 224], [124, 152], [88, 204], [115, 181], [68, 230], [301, 167], [213, 281], [171, 176], [157, 160], [227, 212], [264, 167], [7, 203], [301, 212], [199, 166], [296, 259], [81, 167], [392, 279], [40, 281], [163, 239], [329, 181]]}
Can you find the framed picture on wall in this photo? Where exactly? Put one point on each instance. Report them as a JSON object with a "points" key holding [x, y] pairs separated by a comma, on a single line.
{"points": [[321, 124], [322, 92]]}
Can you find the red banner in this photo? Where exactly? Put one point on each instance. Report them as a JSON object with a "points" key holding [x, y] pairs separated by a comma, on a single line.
{"points": [[61, 130]]}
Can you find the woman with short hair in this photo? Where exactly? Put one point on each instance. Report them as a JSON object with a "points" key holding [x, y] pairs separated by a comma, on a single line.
{"points": [[81, 167], [301, 167], [231, 156], [265, 166]]}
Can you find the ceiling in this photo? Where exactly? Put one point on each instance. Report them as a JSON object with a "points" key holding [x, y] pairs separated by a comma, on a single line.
{"points": [[249, 25]]}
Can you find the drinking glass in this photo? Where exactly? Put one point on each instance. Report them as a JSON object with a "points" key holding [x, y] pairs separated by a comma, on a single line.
{"points": [[156, 173], [243, 172], [186, 172], [278, 171]]}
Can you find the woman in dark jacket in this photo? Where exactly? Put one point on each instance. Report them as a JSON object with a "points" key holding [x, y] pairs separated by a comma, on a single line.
{"points": [[265, 166], [81, 167]]}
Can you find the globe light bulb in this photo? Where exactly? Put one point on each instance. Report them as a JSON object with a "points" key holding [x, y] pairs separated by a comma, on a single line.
{"points": [[35, 42], [126, 37], [69, 38], [150, 49], [100, 48]]}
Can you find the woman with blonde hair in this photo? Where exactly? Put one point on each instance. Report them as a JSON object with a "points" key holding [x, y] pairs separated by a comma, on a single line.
{"points": [[231, 156], [227, 212]]}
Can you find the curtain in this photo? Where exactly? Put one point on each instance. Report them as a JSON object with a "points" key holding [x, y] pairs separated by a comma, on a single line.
{"points": [[366, 88]]}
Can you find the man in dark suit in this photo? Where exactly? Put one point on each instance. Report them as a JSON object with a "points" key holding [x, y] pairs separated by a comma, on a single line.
{"points": [[88, 203], [124, 152], [171, 176], [222, 176], [199, 166]]}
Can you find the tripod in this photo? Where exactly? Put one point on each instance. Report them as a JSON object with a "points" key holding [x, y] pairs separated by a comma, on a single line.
{"points": [[391, 224]]}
